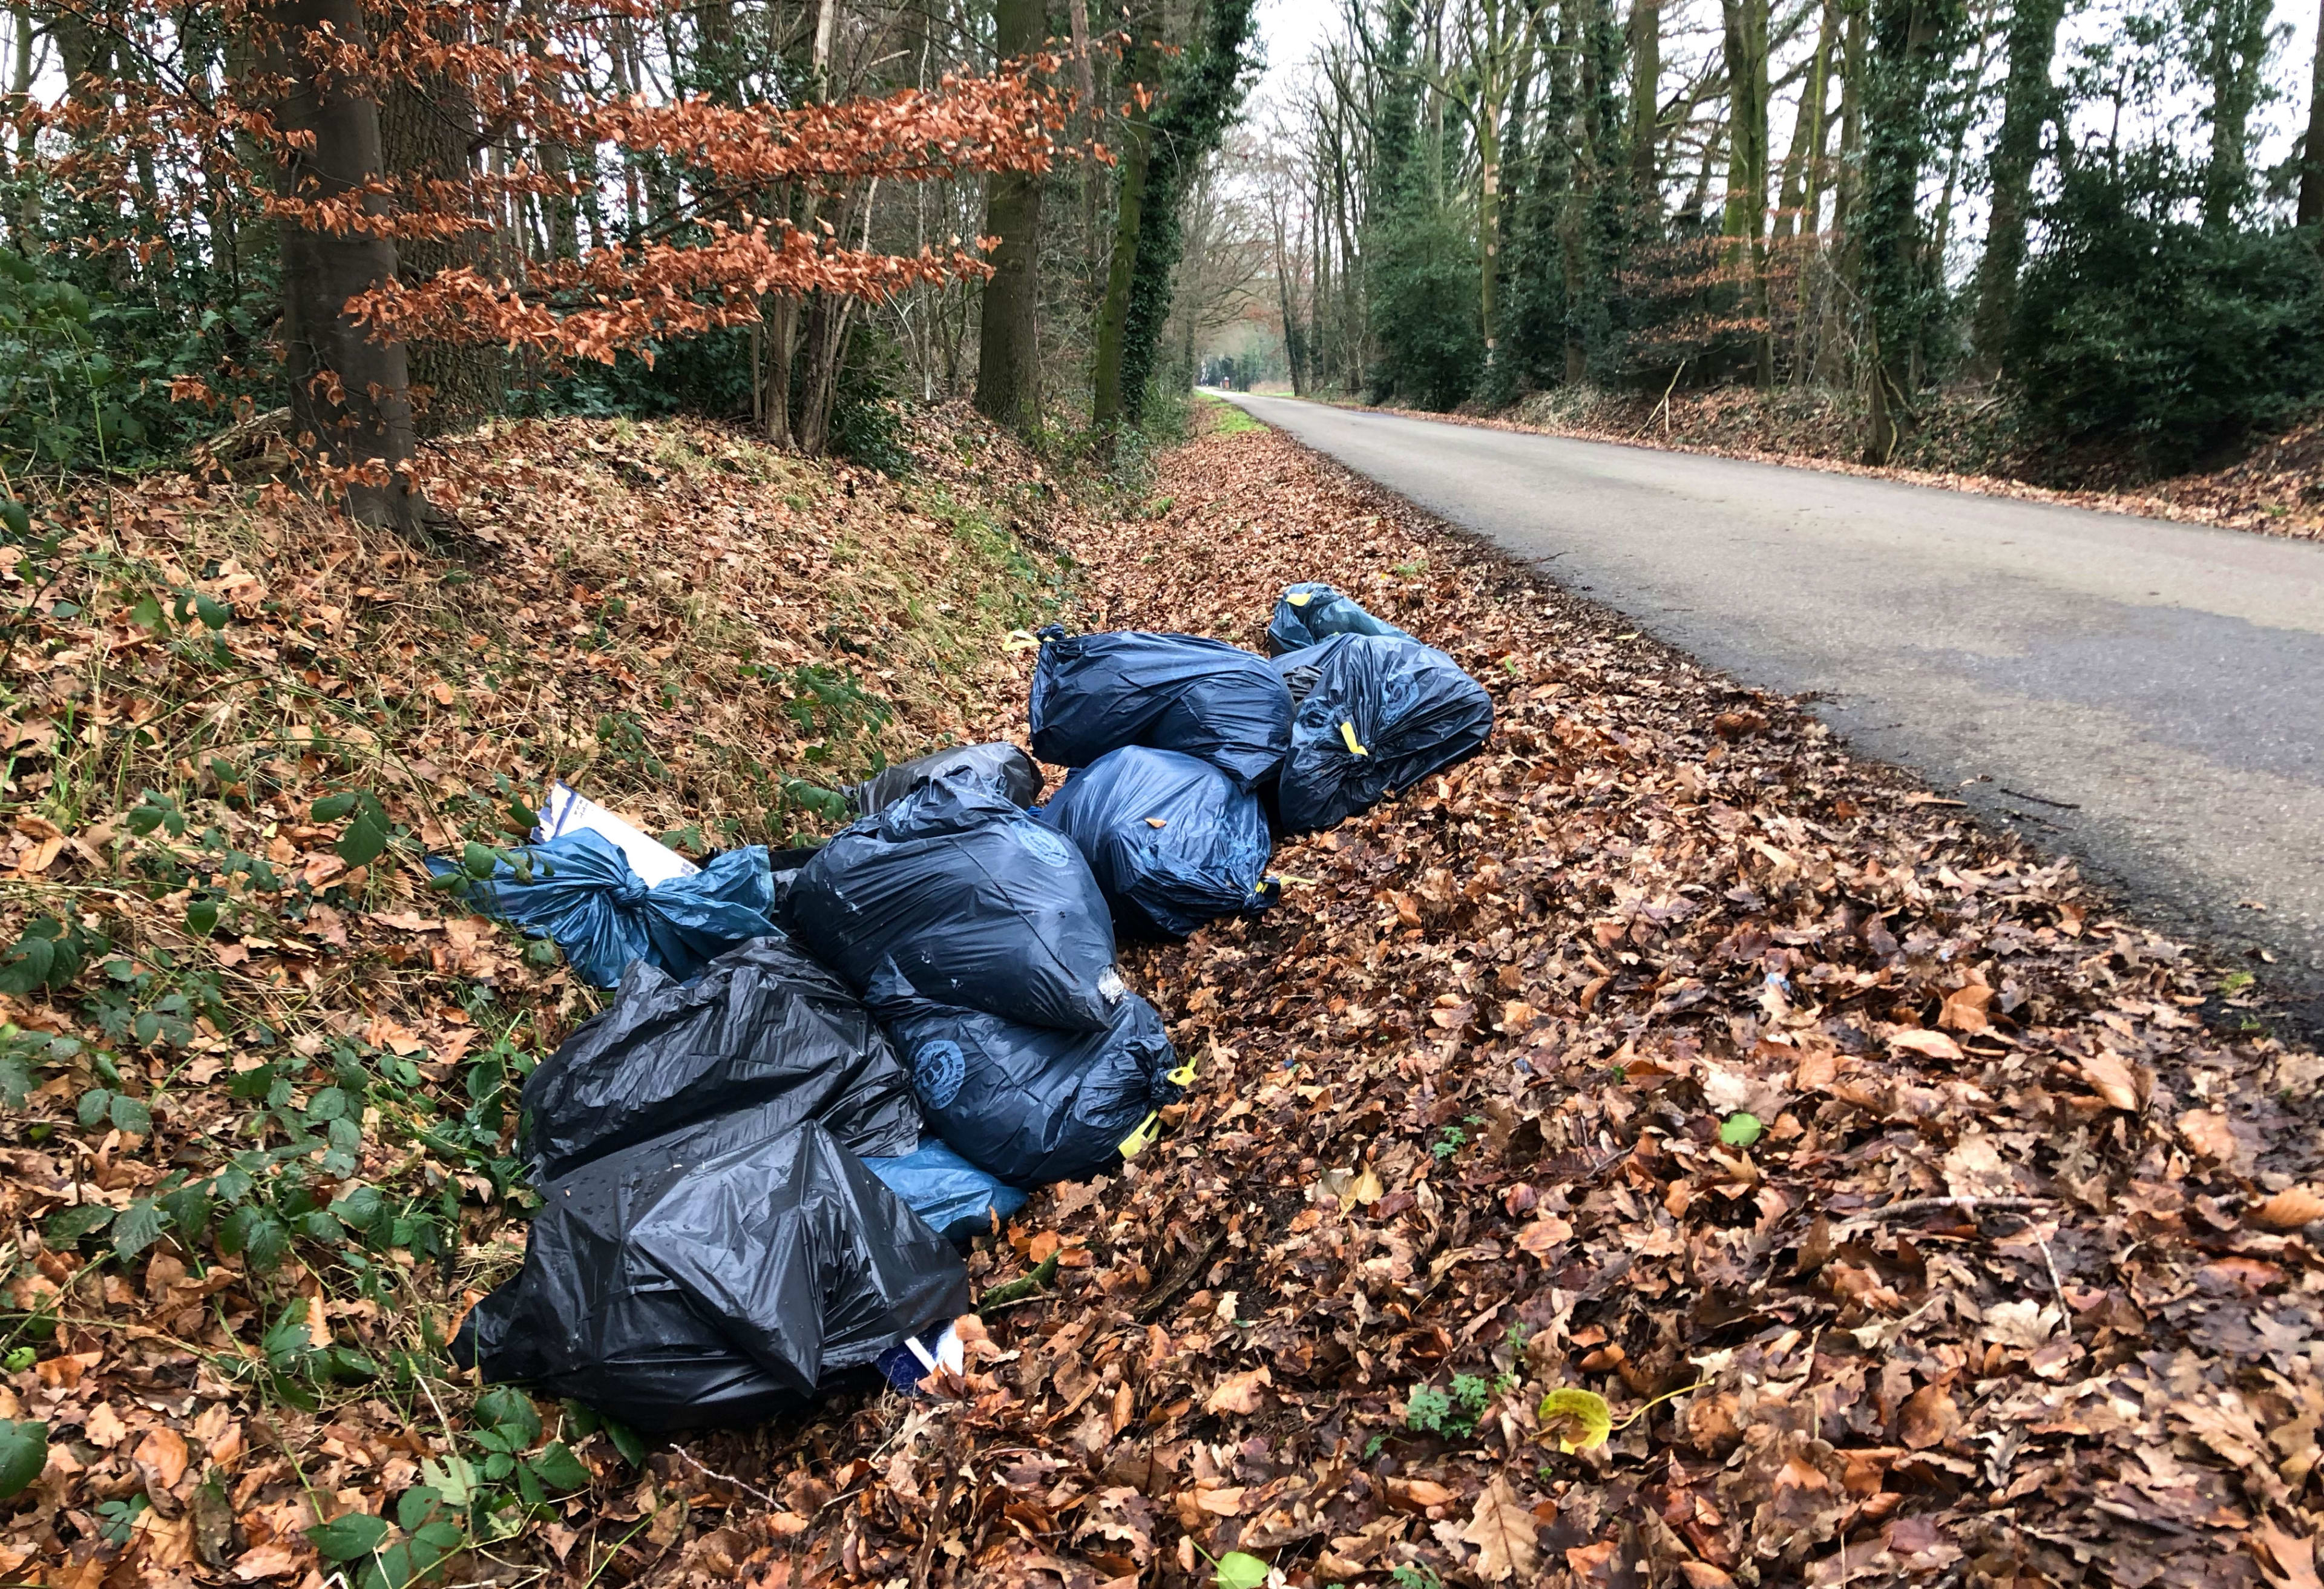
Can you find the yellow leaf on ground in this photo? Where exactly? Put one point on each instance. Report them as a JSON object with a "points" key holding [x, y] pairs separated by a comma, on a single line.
{"points": [[1581, 1420], [2288, 1210]]}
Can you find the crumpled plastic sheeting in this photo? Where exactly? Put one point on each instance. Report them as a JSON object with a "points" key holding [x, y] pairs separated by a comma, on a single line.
{"points": [[1306, 614], [1009, 770], [1028, 1104], [956, 1198], [583, 894], [1380, 714], [971, 902], [1171, 840], [763, 1024], [717, 1276], [1095, 693]]}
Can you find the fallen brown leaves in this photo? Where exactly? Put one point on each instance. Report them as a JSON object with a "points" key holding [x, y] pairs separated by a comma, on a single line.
{"points": [[2011, 1284], [1968, 1310]]}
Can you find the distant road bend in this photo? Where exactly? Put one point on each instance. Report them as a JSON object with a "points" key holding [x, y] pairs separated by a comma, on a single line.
{"points": [[2147, 696]]}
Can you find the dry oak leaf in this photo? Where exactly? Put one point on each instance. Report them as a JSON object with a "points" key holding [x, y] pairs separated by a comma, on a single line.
{"points": [[162, 1455], [1546, 1235], [1964, 1008], [2207, 1132], [1501, 1528], [267, 1561], [105, 1426], [2288, 1560], [2288, 1210], [1239, 1392], [2112, 1080], [1932, 1044], [1927, 1417]]}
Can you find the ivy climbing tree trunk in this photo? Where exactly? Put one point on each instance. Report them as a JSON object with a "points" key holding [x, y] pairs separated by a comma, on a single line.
{"points": [[350, 391], [2029, 102], [1139, 70], [1646, 106], [1745, 37], [1008, 357], [2233, 44], [2311, 159]]}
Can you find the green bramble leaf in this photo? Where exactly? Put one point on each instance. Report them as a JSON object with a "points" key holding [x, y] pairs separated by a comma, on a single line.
{"points": [[348, 1538], [1740, 1130], [24, 1452]]}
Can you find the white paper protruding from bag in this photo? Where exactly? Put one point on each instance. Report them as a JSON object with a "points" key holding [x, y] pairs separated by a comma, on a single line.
{"points": [[566, 810]]}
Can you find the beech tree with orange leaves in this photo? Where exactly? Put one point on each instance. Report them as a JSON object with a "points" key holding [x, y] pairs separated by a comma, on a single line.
{"points": [[209, 126]]}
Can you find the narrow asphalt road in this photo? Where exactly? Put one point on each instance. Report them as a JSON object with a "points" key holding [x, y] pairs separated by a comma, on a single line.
{"points": [[2147, 696]]}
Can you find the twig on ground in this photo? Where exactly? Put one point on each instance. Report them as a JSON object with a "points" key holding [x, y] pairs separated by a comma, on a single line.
{"points": [[755, 1493]]}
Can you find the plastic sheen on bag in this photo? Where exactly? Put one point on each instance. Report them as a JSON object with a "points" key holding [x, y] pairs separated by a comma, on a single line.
{"points": [[1381, 714], [1032, 1106], [762, 1025], [1309, 613], [1007, 769], [1171, 840], [957, 1199], [583, 894], [971, 901], [716, 1276], [1095, 693]]}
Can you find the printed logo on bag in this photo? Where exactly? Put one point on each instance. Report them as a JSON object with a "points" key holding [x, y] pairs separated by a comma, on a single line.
{"points": [[1046, 846], [937, 1070]]}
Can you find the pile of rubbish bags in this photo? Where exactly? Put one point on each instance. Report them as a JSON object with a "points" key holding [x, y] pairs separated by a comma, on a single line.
{"points": [[822, 1070]]}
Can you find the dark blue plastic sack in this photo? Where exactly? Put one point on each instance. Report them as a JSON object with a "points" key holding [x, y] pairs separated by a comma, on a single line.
{"points": [[762, 1023], [1172, 841], [583, 894], [716, 1276], [1379, 716], [969, 901], [957, 1199], [1306, 614], [999, 763], [1095, 693], [1031, 1105]]}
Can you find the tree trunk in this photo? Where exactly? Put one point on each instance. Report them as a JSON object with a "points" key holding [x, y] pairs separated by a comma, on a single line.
{"points": [[1807, 139], [1008, 358], [1912, 42], [350, 392], [2028, 103], [1646, 78], [2311, 165], [1745, 33], [2234, 46], [428, 129], [1113, 313]]}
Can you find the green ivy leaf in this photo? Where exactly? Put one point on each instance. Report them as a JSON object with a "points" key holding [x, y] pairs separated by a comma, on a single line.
{"points": [[212, 613], [366, 836], [350, 1538], [625, 1441], [137, 1227], [1740, 1130], [16, 518], [68, 1225], [511, 1411], [202, 918], [24, 1452], [559, 1470], [1240, 1570]]}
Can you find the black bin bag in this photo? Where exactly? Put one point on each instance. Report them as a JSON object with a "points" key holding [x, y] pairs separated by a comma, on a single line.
{"points": [[1031, 1105], [1095, 693], [1172, 841], [1379, 714], [969, 901], [1000, 764], [1306, 614], [714, 1276], [763, 1024]]}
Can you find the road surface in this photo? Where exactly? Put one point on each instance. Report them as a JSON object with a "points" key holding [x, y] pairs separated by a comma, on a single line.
{"points": [[2147, 696]]}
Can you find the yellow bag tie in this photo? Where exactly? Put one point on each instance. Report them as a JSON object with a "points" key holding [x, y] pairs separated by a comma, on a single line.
{"points": [[1184, 1076], [1347, 732], [1138, 1140], [1301, 599]]}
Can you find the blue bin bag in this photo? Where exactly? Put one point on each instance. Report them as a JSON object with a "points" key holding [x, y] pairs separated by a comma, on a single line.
{"points": [[1028, 1104], [714, 1276], [583, 895], [1306, 614], [763, 1024], [1172, 841], [957, 1199], [1095, 693], [969, 901], [1379, 716], [999, 763]]}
